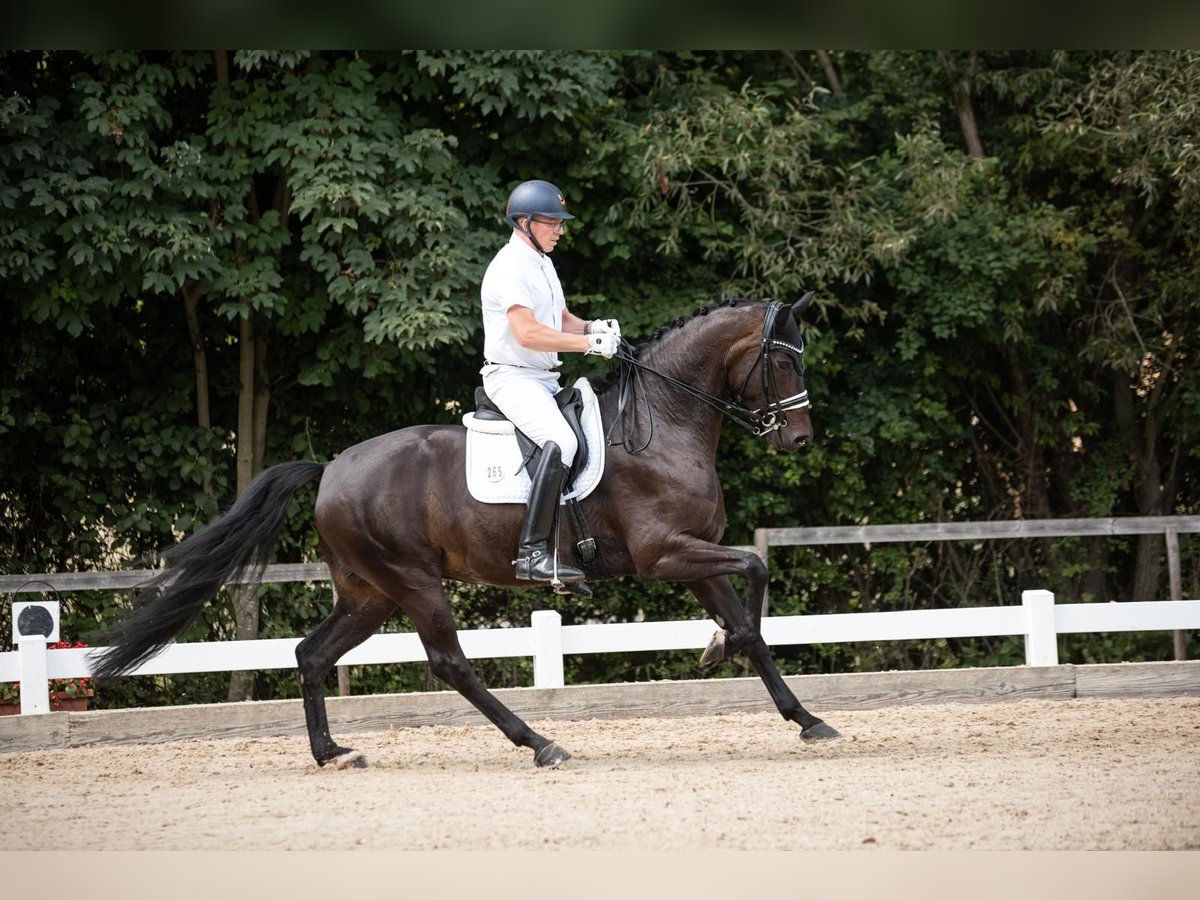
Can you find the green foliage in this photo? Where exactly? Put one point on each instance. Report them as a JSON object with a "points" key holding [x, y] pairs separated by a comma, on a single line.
{"points": [[995, 337]]}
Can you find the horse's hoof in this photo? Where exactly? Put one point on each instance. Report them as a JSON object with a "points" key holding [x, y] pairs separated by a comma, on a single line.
{"points": [[715, 651], [351, 759], [819, 731], [551, 756]]}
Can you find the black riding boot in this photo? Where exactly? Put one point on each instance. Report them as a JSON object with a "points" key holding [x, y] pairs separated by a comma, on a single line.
{"points": [[535, 560]]}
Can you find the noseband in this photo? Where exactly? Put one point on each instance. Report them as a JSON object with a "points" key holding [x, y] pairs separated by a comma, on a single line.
{"points": [[770, 417], [760, 422]]}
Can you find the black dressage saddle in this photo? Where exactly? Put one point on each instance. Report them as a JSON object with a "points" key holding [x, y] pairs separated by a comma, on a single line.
{"points": [[570, 403]]}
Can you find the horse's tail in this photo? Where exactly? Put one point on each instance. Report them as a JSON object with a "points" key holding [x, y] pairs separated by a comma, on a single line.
{"points": [[230, 548]]}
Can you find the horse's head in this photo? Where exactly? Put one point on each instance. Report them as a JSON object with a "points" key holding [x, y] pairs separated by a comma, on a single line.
{"points": [[773, 387], [746, 363]]}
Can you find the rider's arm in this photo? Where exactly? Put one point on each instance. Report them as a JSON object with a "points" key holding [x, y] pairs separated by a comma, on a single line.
{"points": [[572, 324], [533, 335]]}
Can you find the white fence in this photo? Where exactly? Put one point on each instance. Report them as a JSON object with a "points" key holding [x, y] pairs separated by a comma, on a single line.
{"points": [[1038, 618]]}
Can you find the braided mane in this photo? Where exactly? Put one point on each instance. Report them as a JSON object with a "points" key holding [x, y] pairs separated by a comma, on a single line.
{"points": [[665, 330]]}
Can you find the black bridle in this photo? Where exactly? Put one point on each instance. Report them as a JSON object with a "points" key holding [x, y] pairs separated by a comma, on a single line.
{"points": [[770, 417], [762, 421]]}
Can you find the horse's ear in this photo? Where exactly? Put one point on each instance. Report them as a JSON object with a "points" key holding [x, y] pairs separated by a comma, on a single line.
{"points": [[801, 305]]}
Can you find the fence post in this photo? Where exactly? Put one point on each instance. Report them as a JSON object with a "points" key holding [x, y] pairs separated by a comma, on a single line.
{"points": [[34, 625], [1176, 579], [761, 547], [35, 684], [343, 672], [1041, 635], [547, 648]]}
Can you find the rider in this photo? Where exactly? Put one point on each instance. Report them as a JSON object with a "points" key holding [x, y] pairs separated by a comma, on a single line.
{"points": [[526, 324]]}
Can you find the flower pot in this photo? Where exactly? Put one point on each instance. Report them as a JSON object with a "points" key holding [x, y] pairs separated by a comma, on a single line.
{"points": [[61, 701]]}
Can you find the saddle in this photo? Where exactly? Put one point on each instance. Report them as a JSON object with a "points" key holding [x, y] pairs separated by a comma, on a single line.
{"points": [[499, 457], [570, 404]]}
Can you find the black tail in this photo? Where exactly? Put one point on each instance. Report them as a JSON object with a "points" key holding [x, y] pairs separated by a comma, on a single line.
{"points": [[229, 548]]}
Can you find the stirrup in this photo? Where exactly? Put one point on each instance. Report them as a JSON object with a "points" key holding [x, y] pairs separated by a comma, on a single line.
{"points": [[578, 588]]}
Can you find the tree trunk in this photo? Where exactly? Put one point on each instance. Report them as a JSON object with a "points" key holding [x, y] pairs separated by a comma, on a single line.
{"points": [[1141, 447], [243, 597], [251, 438], [960, 86], [831, 74], [262, 398], [191, 302], [221, 65]]}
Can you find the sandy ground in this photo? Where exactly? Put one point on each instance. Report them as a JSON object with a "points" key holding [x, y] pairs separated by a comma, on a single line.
{"points": [[1032, 775]]}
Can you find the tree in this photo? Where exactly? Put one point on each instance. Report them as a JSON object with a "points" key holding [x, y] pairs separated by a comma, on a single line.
{"points": [[279, 199], [960, 331], [218, 260]]}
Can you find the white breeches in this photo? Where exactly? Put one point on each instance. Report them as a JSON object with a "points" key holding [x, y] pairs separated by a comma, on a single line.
{"points": [[526, 396]]}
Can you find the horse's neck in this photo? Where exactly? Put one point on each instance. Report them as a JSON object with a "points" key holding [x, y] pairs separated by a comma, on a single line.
{"points": [[695, 354], [699, 352]]}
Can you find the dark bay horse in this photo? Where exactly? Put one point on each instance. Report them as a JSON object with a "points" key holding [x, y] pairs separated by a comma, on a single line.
{"points": [[395, 518]]}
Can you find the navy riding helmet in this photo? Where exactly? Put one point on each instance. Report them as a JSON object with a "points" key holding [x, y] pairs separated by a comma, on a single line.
{"points": [[535, 198]]}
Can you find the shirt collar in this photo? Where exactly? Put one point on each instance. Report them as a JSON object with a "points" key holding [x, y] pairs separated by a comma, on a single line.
{"points": [[524, 248]]}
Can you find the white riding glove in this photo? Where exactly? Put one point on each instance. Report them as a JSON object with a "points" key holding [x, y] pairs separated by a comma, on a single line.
{"points": [[603, 345], [603, 326]]}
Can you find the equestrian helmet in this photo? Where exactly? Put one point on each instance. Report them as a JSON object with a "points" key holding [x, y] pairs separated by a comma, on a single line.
{"points": [[535, 198]]}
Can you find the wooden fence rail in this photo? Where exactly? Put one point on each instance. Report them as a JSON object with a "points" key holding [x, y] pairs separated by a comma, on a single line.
{"points": [[1038, 618], [1170, 527], [547, 640]]}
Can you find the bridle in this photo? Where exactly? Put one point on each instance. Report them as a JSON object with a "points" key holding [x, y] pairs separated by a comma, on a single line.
{"points": [[770, 417], [760, 422]]}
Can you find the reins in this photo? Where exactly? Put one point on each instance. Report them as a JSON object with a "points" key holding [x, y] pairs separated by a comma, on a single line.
{"points": [[759, 421]]}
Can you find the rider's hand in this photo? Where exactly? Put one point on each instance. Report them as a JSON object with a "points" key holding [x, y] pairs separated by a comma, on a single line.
{"points": [[603, 345], [603, 326]]}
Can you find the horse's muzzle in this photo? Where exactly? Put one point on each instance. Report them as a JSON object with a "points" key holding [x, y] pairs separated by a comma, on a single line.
{"points": [[797, 432], [793, 440]]}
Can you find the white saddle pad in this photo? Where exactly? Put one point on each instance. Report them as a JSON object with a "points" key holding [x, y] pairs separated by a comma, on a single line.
{"points": [[493, 456]]}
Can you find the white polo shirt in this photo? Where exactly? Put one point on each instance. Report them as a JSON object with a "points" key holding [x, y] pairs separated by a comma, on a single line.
{"points": [[519, 276]]}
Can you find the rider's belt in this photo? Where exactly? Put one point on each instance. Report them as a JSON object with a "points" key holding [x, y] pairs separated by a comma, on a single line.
{"points": [[488, 362]]}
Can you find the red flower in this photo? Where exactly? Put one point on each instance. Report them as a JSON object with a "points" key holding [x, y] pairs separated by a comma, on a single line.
{"points": [[72, 686]]}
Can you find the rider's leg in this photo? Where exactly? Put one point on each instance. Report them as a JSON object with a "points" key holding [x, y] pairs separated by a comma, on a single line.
{"points": [[535, 560], [526, 397]]}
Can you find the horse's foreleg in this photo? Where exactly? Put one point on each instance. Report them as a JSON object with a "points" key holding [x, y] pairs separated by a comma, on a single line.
{"points": [[754, 571], [742, 635], [700, 556], [358, 612]]}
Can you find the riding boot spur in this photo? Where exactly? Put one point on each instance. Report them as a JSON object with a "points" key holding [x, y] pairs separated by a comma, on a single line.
{"points": [[535, 560]]}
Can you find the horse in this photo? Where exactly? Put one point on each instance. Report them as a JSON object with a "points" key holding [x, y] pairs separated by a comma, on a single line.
{"points": [[394, 518]]}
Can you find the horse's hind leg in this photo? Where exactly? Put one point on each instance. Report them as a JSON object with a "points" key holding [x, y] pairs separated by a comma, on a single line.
{"points": [[358, 612], [431, 616]]}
